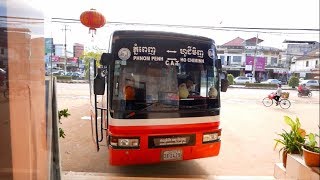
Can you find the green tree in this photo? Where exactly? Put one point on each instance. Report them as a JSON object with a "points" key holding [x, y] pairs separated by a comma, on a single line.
{"points": [[293, 81], [230, 79], [87, 56]]}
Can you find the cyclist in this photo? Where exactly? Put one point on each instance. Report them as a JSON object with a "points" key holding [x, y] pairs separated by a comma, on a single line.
{"points": [[278, 94]]}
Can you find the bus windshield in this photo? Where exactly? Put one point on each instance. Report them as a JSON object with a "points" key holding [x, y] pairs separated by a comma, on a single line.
{"points": [[146, 86]]}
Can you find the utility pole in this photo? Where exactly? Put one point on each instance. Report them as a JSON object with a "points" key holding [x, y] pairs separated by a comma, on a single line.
{"points": [[255, 59], [65, 47]]}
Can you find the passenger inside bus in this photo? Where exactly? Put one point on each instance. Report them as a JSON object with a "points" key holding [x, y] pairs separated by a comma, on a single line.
{"points": [[213, 93], [190, 84], [187, 88]]}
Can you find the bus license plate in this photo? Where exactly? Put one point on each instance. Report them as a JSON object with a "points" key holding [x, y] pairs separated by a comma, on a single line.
{"points": [[171, 155]]}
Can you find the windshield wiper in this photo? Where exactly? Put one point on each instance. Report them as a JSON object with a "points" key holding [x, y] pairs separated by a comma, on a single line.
{"points": [[192, 106], [133, 113], [137, 111]]}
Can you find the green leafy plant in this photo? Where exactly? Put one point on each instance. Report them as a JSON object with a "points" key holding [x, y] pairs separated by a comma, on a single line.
{"points": [[230, 78], [62, 113], [291, 141], [293, 81], [311, 143]]}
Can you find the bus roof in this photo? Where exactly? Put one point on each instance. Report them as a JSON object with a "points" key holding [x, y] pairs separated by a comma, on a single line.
{"points": [[160, 35]]}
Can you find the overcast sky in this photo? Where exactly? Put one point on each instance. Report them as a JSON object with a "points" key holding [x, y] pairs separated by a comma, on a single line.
{"points": [[235, 13]]}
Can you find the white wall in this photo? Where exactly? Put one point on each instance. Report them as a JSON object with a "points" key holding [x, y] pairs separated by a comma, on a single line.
{"points": [[300, 65], [231, 58]]}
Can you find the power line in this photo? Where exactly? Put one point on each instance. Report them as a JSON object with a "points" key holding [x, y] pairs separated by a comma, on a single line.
{"points": [[201, 27], [228, 29], [270, 30], [25, 18], [70, 20]]}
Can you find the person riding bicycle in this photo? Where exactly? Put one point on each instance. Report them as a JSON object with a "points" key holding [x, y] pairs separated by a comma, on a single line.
{"points": [[278, 94]]}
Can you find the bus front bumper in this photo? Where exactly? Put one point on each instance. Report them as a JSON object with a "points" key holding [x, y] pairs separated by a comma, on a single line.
{"points": [[156, 155]]}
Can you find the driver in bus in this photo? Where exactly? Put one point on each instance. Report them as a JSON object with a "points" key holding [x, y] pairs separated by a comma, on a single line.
{"points": [[129, 93]]}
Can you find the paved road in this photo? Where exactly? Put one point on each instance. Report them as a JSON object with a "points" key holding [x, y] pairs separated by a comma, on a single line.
{"points": [[247, 138]]}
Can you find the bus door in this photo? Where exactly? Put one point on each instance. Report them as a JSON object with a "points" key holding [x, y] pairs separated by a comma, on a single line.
{"points": [[98, 102]]}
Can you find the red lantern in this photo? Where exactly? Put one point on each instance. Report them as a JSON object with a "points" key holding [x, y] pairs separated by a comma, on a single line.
{"points": [[93, 20]]}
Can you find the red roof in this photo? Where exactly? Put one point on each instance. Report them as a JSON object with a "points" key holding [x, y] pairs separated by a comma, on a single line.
{"points": [[254, 40], [235, 42]]}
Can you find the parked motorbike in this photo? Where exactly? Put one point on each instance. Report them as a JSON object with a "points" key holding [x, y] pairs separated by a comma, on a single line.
{"points": [[305, 92]]}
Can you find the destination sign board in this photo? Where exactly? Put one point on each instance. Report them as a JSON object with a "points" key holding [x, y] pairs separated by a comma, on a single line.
{"points": [[170, 52]]}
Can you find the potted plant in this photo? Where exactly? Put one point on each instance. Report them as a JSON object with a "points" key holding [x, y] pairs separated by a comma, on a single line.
{"points": [[291, 140], [311, 152]]}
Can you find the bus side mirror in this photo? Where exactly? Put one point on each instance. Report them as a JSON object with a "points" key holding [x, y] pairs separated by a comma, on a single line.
{"points": [[224, 81], [99, 82], [106, 59], [219, 65]]}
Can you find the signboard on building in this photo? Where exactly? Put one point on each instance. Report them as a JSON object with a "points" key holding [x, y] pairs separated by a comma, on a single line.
{"points": [[78, 50], [260, 62], [55, 58], [48, 45], [248, 68]]}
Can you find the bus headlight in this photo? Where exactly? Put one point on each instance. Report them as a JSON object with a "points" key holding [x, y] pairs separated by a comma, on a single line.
{"points": [[128, 142], [210, 137], [124, 142]]}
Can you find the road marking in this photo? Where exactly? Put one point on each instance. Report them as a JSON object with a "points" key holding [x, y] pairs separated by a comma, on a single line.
{"points": [[86, 118]]}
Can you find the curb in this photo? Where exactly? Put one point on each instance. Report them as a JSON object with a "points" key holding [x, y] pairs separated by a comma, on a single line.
{"points": [[268, 88], [116, 176], [72, 81]]}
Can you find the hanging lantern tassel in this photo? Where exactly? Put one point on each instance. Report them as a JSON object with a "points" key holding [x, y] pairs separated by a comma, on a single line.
{"points": [[92, 31], [93, 20]]}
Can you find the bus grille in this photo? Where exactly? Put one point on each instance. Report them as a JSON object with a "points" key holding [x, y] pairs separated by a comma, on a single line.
{"points": [[171, 140]]}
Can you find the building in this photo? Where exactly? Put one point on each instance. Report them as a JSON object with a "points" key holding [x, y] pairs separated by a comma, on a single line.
{"points": [[301, 57], [306, 66], [78, 50], [238, 57], [299, 48], [57, 57]]}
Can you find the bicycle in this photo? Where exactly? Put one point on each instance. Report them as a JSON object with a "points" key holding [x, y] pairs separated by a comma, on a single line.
{"points": [[283, 102], [5, 91]]}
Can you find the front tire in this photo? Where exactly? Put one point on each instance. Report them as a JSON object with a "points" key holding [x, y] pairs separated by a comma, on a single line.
{"points": [[267, 102], [310, 94], [285, 104], [6, 94], [299, 94]]}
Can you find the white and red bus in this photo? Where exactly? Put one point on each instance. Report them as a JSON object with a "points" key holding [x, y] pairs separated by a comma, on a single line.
{"points": [[156, 97]]}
